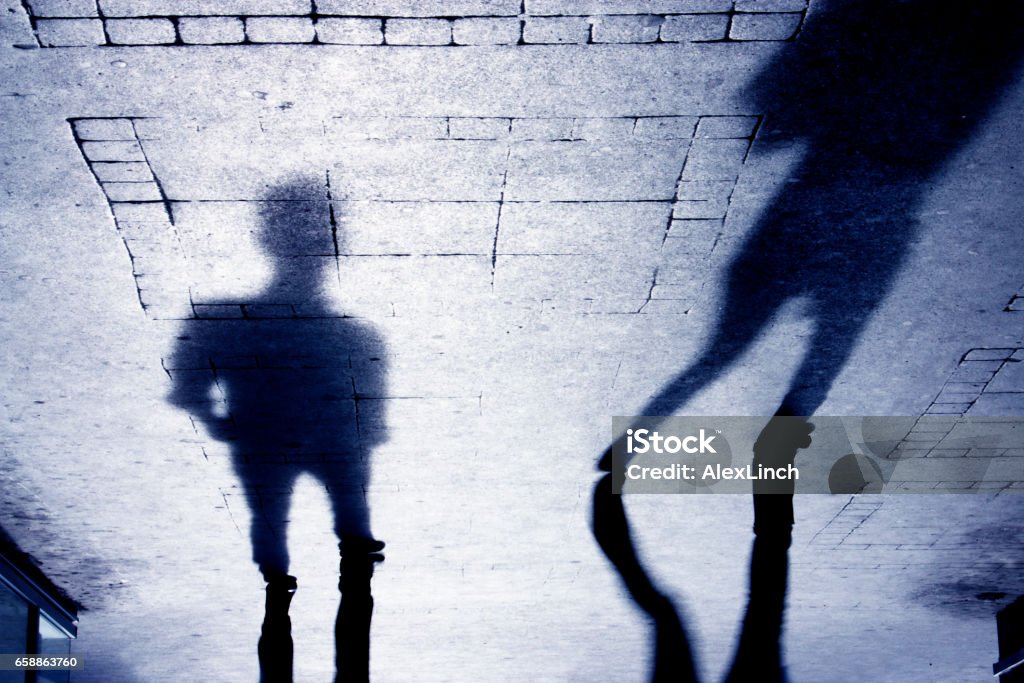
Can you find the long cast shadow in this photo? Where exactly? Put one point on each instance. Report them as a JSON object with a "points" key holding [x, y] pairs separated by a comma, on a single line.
{"points": [[883, 94], [758, 652], [286, 387]]}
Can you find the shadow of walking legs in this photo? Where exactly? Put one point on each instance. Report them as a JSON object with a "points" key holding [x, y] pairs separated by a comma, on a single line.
{"points": [[673, 659], [275, 649]]}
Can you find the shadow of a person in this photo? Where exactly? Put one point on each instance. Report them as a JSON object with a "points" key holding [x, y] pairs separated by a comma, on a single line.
{"points": [[884, 94], [673, 657], [289, 404], [758, 652]]}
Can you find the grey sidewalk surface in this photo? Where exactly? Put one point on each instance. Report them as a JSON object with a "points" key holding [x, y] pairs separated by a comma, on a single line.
{"points": [[541, 236]]}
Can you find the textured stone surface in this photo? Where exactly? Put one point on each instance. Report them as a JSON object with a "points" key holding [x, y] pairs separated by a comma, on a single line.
{"points": [[349, 31], [418, 31], [486, 31], [134, 8], [140, 31], [695, 27], [557, 30], [211, 30], [420, 8], [435, 23], [641, 29], [69, 32], [541, 236], [764, 26], [63, 8], [279, 30]]}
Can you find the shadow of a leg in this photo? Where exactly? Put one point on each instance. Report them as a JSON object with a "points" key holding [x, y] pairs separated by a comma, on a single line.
{"points": [[673, 658], [264, 486], [352, 626], [275, 646], [758, 654]]}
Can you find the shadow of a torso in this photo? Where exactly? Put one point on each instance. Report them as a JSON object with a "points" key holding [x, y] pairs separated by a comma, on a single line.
{"points": [[884, 94], [289, 390]]}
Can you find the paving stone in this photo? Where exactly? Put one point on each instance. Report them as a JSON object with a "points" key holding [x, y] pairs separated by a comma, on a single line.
{"points": [[416, 227], [149, 8], [420, 8], [70, 32], [132, 192], [486, 31], [217, 311], [150, 212], [539, 277], [726, 126], [392, 278], [593, 128], [993, 404], [714, 159], [557, 7], [418, 31], [688, 209], [674, 292], [104, 129], [63, 8], [557, 30], [701, 234], [268, 311], [228, 166], [627, 29], [764, 26], [947, 408], [581, 171], [581, 228], [350, 31], [113, 151], [686, 27], [673, 306], [468, 128], [161, 232], [542, 129], [948, 396], [707, 190], [975, 371], [770, 5], [211, 30], [154, 128], [140, 31], [227, 228], [989, 354], [279, 30], [665, 127], [390, 127], [684, 260], [121, 171], [148, 247], [413, 170], [161, 305], [947, 453]]}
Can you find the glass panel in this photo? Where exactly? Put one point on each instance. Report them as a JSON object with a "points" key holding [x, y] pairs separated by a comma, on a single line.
{"points": [[13, 630], [52, 641]]}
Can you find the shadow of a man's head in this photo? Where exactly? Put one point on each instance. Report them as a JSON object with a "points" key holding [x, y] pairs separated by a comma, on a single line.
{"points": [[299, 234]]}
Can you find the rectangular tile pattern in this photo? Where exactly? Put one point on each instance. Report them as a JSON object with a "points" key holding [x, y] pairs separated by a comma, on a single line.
{"points": [[481, 208], [71, 23]]}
